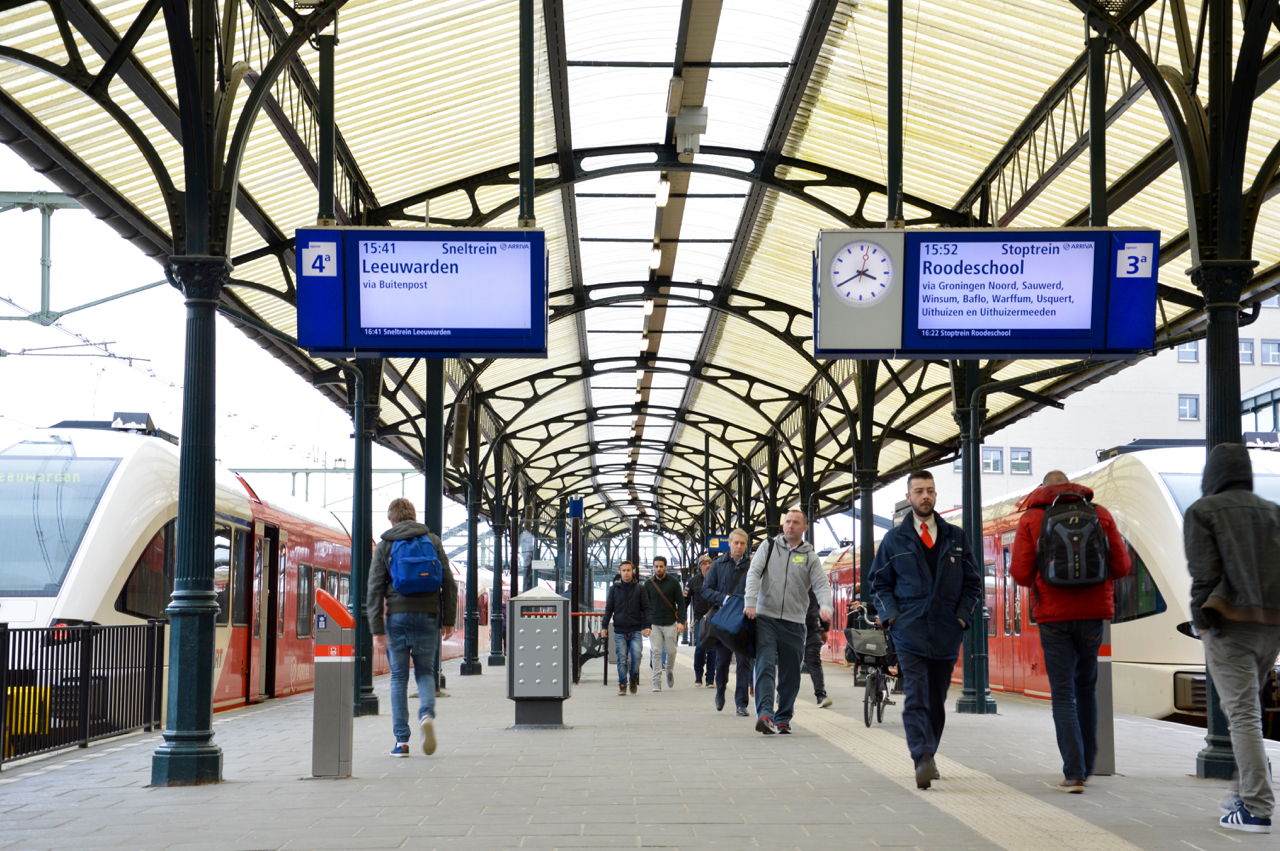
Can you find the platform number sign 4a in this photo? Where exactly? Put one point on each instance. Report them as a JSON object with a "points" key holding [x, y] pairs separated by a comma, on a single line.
{"points": [[1134, 260], [318, 260]]}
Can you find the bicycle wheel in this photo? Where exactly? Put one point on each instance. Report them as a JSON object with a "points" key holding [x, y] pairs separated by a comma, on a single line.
{"points": [[880, 704], [872, 696]]}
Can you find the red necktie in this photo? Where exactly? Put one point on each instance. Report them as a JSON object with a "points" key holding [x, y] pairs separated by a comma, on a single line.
{"points": [[925, 536]]}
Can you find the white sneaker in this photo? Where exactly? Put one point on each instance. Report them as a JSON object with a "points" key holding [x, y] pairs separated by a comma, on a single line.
{"points": [[657, 688], [428, 735], [825, 702]]}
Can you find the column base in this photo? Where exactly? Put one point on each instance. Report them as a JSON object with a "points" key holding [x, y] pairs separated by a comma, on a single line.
{"points": [[367, 705], [1215, 764], [972, 705], [497, 660], [471, 669], [177, 765], [539, 713]]}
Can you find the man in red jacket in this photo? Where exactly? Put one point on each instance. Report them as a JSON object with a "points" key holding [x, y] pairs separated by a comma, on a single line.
{"points": [[1070, 622]]}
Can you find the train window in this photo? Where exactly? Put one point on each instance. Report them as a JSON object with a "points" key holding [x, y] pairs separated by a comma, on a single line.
{"points": [[319, 578], [241, 594], [147, 591], [46, 503], [305, 600], [1137, 595], [1185, 487], [222, 572], [1008, 604], [1017, 609], [989, 569], [344, 590], [257, 585]]}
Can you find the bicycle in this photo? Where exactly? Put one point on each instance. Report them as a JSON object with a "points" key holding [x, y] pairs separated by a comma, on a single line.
{"points": [[873, 649]]}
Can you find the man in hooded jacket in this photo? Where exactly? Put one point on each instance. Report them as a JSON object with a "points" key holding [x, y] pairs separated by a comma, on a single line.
{"points": [[1070, 622], [1232, 541]]}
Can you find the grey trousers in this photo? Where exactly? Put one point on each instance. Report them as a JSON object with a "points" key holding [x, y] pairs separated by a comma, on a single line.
{"points": [[1239, 656], [663, 638]]}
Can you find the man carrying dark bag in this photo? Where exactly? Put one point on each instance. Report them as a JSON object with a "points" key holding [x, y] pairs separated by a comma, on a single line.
{"points": [[1070, 618], [728, 576]]}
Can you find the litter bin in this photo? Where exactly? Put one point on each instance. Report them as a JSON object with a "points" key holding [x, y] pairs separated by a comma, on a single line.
{"points": [[538, 675], [331, 725]]}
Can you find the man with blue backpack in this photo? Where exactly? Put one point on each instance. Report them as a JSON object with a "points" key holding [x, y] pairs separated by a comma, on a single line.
{"points": [[410, 577]]}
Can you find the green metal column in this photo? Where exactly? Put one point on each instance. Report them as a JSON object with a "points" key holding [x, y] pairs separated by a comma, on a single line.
{"points": [[894, 129], [471, 637], [433, 465], [367, 392], [808, 439], [326, 44], [516, 555], [772, 519], [706, 490], [496, 632], [188, 755], [975, 698], [560, 545], [866, 473], [526, 115]]}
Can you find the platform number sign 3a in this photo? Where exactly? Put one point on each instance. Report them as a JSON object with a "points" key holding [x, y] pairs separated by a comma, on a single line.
{"points": [[318, 260], [1134, 260]]}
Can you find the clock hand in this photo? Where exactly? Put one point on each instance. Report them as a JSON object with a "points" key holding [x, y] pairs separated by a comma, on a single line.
{"points": [[854, 276], [866, 274]]}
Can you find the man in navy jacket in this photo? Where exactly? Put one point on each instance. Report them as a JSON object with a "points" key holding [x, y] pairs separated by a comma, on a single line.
{"points": [[925, 584]]}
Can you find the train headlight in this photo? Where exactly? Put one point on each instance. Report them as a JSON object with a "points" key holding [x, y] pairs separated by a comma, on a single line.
{"points": [[1189, 692]]}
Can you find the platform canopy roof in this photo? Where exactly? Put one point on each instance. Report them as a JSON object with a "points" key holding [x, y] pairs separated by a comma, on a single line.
{"points": [[647, 368]]}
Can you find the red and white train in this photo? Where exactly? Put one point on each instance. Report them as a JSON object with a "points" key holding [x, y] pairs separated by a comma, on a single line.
{"points": [[1157, 669], [88, 524]]}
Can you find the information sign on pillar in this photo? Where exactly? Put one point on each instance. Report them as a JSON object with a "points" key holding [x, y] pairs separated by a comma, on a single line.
{"points": [[393, 292], [942, 293], [575, 507]]}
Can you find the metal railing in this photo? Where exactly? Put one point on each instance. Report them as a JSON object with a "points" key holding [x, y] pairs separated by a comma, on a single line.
{"points": [[69, 685], [588, 623]]}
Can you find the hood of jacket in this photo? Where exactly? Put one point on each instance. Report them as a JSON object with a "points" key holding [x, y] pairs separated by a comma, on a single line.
{"points": [[1228, 469], [1043, 497], [404, 530]]}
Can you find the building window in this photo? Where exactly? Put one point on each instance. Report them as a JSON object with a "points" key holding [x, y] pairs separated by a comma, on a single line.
{"points": [[992, 460], [1188, 407], [1020, 462], [1189, 352], [1271, 352], [1274, 301], [1246, 352], [957, 466]]}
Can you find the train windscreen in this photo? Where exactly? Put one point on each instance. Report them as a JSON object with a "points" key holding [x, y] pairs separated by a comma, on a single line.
{"points": [[1185, 488], [46, 503]]}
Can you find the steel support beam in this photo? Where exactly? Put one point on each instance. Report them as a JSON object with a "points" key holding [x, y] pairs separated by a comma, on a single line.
{"points": [[975, 698], [471, 635]]}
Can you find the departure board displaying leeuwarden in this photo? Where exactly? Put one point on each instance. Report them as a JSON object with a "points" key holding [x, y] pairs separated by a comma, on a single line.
{"points": [[395, 291]]}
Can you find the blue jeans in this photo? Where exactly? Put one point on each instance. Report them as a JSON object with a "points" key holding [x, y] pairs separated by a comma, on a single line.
{"points": [[413, 634], [628, 644], [1071, 662], [780, 646]]}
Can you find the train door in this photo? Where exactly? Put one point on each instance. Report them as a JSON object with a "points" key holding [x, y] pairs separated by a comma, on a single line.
{"points": [[279, 671], [262, 636], [1013, 619]]}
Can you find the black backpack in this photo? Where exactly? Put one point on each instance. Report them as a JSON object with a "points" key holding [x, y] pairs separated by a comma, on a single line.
{"points": [[1073, 551]]}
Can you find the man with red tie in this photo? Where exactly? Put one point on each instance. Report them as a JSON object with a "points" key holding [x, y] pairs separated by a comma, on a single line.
{"points": [[925, 584]]}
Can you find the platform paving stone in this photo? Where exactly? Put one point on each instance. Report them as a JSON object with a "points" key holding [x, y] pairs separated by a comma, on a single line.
{"points": [[660, 770]]}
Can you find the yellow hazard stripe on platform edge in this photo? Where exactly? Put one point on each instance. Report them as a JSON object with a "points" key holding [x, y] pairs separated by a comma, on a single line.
{"points": [[1010, 818]]}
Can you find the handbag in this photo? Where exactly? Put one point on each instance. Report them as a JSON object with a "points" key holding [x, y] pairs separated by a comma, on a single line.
{"points": [[706, 633]]}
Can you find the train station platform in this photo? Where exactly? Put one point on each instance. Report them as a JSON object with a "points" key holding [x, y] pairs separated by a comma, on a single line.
{"points": [[645, 771]]}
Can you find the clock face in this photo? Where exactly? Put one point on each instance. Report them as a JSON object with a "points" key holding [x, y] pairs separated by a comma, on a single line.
{"points": [[862, 273]]}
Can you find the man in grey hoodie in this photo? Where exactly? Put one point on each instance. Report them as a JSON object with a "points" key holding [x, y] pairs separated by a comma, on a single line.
{"points": [[410, 626], [1232, 540], [783, 571]]}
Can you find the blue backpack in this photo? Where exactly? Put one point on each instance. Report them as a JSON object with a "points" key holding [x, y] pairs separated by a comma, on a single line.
{"points": [[415, 566]]}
